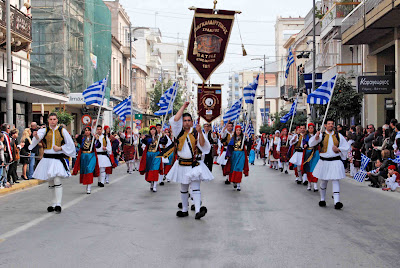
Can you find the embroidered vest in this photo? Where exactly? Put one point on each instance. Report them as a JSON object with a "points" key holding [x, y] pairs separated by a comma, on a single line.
{"points": [[238, 144], [299, 142], [325, 141], [153, 145], [48, 138], [225, 141], [192, 138]]}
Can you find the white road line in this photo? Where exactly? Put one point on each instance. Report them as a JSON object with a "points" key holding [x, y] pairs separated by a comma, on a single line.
{"points": [[34, 222]]}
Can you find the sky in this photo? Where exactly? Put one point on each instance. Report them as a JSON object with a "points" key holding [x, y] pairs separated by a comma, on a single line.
{"points": [[256, 25]]}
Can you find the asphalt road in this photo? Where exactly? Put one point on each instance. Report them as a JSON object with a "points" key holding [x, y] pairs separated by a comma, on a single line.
{"points": [[272, 222]]}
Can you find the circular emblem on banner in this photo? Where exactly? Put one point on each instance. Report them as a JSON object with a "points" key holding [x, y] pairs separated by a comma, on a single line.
{"points": [[121, 124], [86, 119], [209, 102]]}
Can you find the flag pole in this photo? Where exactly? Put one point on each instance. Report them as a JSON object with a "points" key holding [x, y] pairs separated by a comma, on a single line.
{"points": [[291, 121], [329, 103]]}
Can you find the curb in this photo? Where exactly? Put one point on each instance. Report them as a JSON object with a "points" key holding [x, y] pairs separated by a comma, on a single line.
{"points": [[20, 186]]}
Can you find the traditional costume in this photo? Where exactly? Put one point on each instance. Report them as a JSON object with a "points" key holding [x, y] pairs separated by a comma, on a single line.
{"points": [[87, 163], [263, 148], [297, 158], [275, 149], [310, 160], [252, 155], [225, 139], [189, 170], [170, 158], [393, 181], [150, 164], [114, 164], [330, 166], [208, 158], [284, 151], [238, 163], [128, 147], [103, 148], [53, 166]]}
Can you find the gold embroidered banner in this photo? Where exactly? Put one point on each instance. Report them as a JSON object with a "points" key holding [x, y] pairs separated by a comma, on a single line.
{"points": [[209, 101]]}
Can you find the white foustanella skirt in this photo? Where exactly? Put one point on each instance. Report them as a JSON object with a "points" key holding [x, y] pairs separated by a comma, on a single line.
{"points": [[187, 174], [49, 168], [104, 161], [329, 170], [296, 158]]}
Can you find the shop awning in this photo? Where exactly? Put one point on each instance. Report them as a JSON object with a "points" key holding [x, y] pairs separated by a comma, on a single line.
{"points": [[32, 95]]}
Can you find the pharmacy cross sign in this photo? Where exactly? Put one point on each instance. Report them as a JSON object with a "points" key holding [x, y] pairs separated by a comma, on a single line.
{"points": [[208, 40]]}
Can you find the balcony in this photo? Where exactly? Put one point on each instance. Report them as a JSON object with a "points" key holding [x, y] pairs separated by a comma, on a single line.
{"points": [[322, 62], [126, 50], [120, 90], [350, 70], [21, 28], [308, 20], [334, 16], [369, 21]]}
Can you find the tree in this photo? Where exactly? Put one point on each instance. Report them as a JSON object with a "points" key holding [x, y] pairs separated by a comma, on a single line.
{"points": [[345, 103], [155, 96], [63, 117], [298, 119]]}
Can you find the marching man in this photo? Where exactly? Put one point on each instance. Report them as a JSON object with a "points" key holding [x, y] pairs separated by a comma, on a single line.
{"points": [[333, 150], [103, 146], [188, 170], [57, 145]]}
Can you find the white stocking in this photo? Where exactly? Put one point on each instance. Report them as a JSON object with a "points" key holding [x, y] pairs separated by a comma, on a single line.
{"points": [[51, 187], [304, 177], [58, 190], [279, 163], [107, 177], [195, 186], [323, 186], [102, 175], [315, 185], [185, 197], [336, 191]]}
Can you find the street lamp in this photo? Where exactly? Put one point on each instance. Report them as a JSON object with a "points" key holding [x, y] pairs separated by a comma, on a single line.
{"points": [[264, 58]]}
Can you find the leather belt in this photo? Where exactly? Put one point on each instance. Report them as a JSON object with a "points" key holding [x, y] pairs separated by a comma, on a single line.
{"points": [[330, 158], [60, 157]]}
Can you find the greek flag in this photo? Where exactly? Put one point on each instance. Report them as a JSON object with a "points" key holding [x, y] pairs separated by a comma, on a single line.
{"points": [[124, 108], [290, 61], [291, 113], [360, 175], [234, 112], [308, 81], [396, 160], [94, 94], [249, 92], [322, 94], [250, 129], [167, 100]]}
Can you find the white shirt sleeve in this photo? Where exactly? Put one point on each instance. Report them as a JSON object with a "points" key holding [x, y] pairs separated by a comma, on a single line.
{"points": [[313, 142], [207, 146], [41, 132], [344, 147], [109, 149], [176, 126], [293, 139], [69, 147]]}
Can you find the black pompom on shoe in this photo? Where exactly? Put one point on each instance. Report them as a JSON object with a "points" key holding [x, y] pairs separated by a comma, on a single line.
{"points": [[281, 169], [298, 182], [100, 184], [286, 172], [227, 182], [182, 214], [180, 205], [57, 209], [50, 209], [322, 204], [315, 190], [204, 209], [162, 183], [238, 189], [192, 207], [201, 213], [338, 205], [305, 183]]}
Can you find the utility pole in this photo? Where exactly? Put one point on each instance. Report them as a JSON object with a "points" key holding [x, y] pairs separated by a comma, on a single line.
{"points": [[130, 72], [9, 98], [313, 112]]}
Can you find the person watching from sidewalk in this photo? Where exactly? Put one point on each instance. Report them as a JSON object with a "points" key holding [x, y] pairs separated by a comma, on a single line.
{"points": [[25, 153], [34, 151]]}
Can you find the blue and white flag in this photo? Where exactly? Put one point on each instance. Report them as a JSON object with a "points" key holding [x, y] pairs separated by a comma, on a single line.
{"points": [[290, 61], [249, 92], [250, 129], [396, 160], [291, 113], [360, 175], [124, 108], [234, 112], [322, 94], [364, 161], [308, 81], [94, 94], [166, 102]]}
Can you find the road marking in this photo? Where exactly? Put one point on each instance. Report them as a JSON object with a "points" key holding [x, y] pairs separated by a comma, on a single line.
{"points": [[34, 222]]}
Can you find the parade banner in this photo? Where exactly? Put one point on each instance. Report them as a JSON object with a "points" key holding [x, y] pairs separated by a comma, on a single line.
{"points": [[208, 40], [209, 101]]}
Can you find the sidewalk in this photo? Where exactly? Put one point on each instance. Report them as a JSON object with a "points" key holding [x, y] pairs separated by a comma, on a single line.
{"points": [[20, 186]]}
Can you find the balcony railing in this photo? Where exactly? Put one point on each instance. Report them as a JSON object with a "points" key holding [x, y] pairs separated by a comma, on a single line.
{"points": [[21, 27], [358, 13], [337, 11]]}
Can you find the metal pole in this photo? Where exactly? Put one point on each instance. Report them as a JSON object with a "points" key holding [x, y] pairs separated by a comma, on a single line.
{"points": [[9, 98], [313, 112], [130, 77], [265, 112]]}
